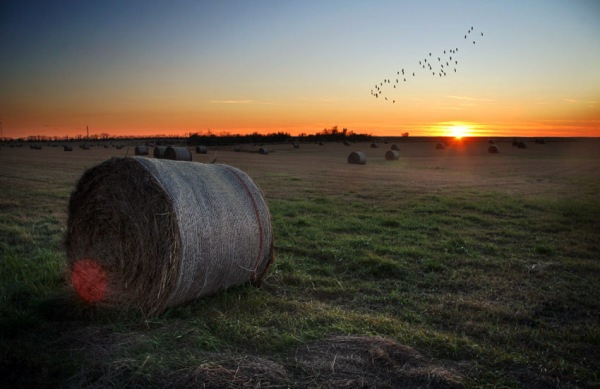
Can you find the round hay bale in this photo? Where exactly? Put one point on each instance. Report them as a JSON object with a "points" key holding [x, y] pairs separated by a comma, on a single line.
{"points": [[201, 150], [296, 145], [159, 152], [263, 151], [153, 233], [68, 148], [493, 149], [141, 150], [357, 158], [178, 154], [395, 147], [522, 145], [440, 146], [392, 155], [374, 145], [346, 143]]}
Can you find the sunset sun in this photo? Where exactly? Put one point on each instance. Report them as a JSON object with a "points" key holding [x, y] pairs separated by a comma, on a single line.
{"points": [[458, 131]]}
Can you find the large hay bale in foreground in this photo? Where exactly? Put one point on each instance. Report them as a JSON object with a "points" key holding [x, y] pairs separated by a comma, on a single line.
{"points": [[392, 155], [357, 158], [159, 151], [141, 150], [178, 153], [152, 233]]}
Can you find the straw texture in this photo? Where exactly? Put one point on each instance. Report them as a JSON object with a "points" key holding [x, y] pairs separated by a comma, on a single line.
{"points": [[357, 158], [166, 232], [159, 151], [392, 155], [178, 154], [493, 149]]}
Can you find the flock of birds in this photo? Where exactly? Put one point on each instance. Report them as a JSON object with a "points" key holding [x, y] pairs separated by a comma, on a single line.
{"points": [[440, 65]]}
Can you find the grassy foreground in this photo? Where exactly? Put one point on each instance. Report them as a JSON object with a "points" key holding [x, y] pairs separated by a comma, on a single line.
{"points": [[491, 285]]}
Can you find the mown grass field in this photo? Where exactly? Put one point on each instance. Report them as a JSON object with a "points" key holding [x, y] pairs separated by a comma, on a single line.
{"points": [[486, 265]]}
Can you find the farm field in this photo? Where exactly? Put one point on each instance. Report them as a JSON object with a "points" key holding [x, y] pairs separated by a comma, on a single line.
{"points": [[446, 268]]}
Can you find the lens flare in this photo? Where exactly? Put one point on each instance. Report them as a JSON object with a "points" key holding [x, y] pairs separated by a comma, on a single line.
{"points": [[89, 280]]}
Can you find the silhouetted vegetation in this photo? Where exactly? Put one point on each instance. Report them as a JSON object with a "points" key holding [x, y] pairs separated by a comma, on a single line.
{"points": [[327, 135]]}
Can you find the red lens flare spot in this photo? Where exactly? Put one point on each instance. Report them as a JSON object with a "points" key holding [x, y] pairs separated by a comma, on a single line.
{"points": [[89, 280]]}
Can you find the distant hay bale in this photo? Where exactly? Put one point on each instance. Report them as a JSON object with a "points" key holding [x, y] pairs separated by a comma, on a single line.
{"points": [[392, 155], [153, 233], [522, 145], [141, 150], [68, 148], [296, 145], [357, 158], [374, 145], [395, 147], [493, 149], [346, 143], [263, 151], [178, 154], [440, 146], [201, 150], [515, 142], [159, 152]]}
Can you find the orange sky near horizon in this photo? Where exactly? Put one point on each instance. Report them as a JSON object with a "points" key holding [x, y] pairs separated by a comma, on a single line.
{"points": [[299, 67]]}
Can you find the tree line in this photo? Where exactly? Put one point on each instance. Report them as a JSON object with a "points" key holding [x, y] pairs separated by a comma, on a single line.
{"points": [[326, 135]]}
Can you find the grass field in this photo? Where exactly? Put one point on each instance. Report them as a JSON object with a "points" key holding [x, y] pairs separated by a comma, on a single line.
{"points": [[444, 268]]}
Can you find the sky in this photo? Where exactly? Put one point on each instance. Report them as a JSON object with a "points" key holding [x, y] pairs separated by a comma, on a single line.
{"points": [[149, 67]]}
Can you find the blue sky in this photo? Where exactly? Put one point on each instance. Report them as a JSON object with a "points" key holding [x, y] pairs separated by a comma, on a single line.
{"points": [[298, 66]]}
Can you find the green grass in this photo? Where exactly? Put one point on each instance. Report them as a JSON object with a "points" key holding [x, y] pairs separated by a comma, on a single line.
{"points": [[505, 285]]}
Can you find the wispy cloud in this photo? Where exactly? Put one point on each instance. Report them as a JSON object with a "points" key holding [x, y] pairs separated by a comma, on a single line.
{"points": [[449, 108], [240, 102], [467, 98], [575, 101]]}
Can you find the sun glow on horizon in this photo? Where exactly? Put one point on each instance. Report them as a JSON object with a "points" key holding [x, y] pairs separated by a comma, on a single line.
{"points": [[459, 131]]}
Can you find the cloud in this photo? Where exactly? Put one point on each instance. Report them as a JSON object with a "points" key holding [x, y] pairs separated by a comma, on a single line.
{"points": [[233, 101], [467, 98], [256, 102], [586, 102], [451, 108]]}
